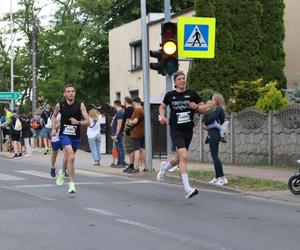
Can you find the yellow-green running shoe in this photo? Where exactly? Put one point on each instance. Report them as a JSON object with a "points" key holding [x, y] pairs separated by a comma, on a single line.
{"points": [[72, 187], [60, 178]]}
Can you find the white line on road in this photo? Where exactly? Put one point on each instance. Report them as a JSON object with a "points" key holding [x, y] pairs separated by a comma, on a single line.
{"points": [[35, 173], [88, 183], [101, 211], [171, 235], [130, 182], [29, 193], [6, 177], [35, 186], [92, 174]]}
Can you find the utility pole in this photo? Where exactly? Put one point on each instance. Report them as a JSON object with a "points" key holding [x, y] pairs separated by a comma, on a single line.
{"points": [[148, 133], [11, 55], [34, 82], [169, 86]]}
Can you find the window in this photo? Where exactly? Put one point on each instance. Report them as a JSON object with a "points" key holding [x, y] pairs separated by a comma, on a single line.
{"points": [[136, 55], [118, 95], [134, 93]]}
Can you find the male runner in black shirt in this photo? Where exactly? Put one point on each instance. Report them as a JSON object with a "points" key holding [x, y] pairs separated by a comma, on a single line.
{"points": [[73, 115], [183, 103]]}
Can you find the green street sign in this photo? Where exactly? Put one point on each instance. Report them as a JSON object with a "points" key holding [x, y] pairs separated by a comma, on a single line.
{"points": [[10, 95]]}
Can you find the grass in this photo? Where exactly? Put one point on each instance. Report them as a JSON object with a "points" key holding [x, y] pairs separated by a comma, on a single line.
{"points": [[242, 182]]}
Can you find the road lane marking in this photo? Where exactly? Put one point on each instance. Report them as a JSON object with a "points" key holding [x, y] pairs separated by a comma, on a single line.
{"points": [[101, 211], [29, 193], [6, 177], [35, 186], [92, 174], [35, 173], [130, 182], [88, 183], [175, 236]]}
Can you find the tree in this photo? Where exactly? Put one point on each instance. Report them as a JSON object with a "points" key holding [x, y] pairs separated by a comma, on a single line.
{"points": [[272, 48], [249, 44]]}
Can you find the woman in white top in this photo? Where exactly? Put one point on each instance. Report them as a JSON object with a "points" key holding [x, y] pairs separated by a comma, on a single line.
{"points": [[94, 136]]}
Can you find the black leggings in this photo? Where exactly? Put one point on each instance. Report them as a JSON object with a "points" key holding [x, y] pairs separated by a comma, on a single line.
{"points": [[214, 141]]}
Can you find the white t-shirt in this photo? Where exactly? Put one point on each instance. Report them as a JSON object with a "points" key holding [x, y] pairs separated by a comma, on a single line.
{"points": [[94, 128], [56, 138]]}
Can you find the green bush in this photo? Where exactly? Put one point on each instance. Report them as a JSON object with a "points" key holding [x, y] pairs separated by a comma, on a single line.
{"points": [[294, 95], [271, 98], [244, 94]]}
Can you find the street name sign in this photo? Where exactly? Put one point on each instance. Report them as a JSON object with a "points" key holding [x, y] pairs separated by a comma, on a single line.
{"points": [[10, 95], [196, 37]]}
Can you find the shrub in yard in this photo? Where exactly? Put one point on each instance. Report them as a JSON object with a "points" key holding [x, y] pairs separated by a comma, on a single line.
{"points": [[271, 98]]}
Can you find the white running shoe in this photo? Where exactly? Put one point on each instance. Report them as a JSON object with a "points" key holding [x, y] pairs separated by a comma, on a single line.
{"points": [[60, 178], [162, 173], [222, 181], [173, 169], [213, 181], [72, 188], [193, 192]]}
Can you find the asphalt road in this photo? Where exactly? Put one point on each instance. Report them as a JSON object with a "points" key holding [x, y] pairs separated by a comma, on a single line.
{"points": [[113, 212]]}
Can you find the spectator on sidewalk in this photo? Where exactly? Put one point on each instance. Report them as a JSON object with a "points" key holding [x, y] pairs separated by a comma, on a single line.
{"points": [[137, 134], [128, 143], [15, 132], [215, 137], [117, 133], [46, 125], [8, 114], [26, 134], [37, 130], [94, 135]]}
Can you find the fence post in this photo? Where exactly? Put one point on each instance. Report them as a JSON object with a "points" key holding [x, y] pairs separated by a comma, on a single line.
{"points": [[201, 138], [270, 138], [232, 149]]}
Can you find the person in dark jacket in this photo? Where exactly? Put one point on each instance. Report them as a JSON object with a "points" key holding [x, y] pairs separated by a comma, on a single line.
{"points": [[218, 115], [26, 134]]}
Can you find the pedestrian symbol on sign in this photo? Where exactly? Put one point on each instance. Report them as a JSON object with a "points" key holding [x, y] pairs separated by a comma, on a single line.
{"points": [[196, 37]]}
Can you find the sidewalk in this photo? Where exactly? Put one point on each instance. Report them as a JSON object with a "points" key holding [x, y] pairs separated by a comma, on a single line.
{"points": [[84, 161]]}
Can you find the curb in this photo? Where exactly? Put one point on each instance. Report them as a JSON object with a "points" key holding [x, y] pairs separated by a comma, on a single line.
{"points": [[195, 183]]}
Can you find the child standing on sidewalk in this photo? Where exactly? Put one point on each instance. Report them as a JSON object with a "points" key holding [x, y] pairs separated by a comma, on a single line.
{"points": [[26, 134]]}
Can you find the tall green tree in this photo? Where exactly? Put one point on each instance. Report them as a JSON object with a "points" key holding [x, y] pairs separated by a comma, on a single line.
{"points": [[272, 48], [246, 45]]}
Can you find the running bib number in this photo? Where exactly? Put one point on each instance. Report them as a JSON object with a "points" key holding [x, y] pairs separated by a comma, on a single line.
{"points": [[184, 117], [70, 130]]}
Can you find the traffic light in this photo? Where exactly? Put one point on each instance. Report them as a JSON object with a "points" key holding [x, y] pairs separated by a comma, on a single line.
{"points": [[169, 60], [157, 66], [167, 56]]}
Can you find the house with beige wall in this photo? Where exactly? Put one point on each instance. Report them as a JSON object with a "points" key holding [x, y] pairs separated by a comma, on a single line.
{"points": [[125, 58]]}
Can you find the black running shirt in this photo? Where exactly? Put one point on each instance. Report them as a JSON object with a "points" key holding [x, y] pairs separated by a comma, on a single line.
{"points": [[181, 116], [67, 112]]}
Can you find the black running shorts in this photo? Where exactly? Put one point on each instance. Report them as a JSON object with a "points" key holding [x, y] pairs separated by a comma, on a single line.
{"points": [[181, 139]]}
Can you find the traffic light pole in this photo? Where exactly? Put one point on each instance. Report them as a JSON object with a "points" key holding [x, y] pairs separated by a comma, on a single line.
{"points": [[169, 86], [148, 134], [34, 78]]}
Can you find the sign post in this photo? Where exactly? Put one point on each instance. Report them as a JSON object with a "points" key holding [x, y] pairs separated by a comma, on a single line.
{"points": [[10, 95]]}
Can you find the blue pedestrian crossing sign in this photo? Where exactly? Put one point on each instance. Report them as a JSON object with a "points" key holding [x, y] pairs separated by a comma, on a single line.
{"points": [[196, 37]]}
